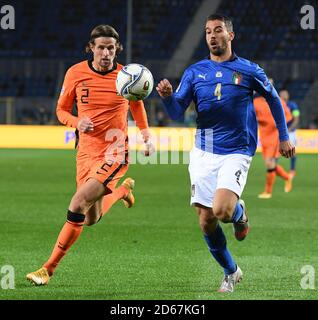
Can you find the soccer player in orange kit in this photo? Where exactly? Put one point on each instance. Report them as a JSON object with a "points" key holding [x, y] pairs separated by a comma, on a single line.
{"points": [[103, 141], [270, 145]]}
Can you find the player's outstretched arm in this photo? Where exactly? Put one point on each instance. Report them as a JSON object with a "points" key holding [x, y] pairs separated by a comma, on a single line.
{"points": [[287, 149], [174, 106]]}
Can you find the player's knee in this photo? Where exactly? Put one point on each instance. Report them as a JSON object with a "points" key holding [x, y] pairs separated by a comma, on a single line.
{"points": [[223, 212], [79, 204], [91, 221], [270, 163]]}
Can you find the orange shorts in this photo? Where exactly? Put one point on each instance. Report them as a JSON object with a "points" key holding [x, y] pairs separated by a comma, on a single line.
{"points": [[107, 172], [270, 151]]}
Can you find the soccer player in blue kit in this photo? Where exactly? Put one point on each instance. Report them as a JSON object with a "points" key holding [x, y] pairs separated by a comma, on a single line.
{"points": [[221, 87]]}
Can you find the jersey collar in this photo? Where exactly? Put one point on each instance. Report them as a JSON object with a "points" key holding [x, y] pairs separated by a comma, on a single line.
{"points": [[103, 73], [232, 58]]}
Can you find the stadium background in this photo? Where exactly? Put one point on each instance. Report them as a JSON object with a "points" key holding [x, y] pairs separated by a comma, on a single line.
{"points": [[36, 185]]}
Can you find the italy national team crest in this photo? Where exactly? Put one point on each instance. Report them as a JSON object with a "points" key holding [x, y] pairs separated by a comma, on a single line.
{"points": [[237, 78]]}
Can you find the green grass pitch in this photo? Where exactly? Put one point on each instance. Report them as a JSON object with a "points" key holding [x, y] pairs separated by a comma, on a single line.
{"points": [[154, 250]]}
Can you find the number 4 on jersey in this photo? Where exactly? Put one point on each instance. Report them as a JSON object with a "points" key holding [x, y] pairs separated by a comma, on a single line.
{"points": [[217, 91]]}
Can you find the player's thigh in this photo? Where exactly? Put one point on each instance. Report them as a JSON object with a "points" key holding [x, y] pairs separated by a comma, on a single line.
{"points": [[270, 150], [232, 174], [83, 167], [86, 195], [224, 203], [108, 173], [203, 176]]}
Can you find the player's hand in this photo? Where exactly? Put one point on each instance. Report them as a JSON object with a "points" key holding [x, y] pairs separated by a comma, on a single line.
{"points": [[286, 149], [149, 147], [85, 125], [164, 88]]}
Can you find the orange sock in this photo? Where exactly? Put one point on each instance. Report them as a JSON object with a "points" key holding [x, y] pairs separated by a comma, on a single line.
{"points": [[281, 172], [111, 198], [68, 235], [270, 180]]}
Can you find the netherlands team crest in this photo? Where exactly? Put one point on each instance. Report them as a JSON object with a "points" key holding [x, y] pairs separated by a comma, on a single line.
{"points": [[237, 78]]}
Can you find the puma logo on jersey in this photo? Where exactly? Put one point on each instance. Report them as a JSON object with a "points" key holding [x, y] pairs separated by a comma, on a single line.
{"points": [[202, 76]]}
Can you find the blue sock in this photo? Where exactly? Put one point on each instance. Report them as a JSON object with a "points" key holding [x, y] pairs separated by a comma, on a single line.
{"points": [[238, 213], [293, 163], [217, 246]]}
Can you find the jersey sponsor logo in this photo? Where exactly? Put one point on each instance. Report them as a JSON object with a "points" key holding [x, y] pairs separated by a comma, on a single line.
{"points": [[219, 74], [237, 78], [202, 75]]}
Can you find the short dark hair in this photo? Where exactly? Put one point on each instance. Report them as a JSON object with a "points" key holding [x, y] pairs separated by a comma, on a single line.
{"points": [[227, 20], [104, 30]]}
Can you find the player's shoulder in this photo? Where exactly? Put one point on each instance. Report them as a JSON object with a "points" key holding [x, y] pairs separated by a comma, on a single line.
{"points": [[199, 64], [292, 105], [119, 66], [77, 68], [197, 67], [246, 65]]}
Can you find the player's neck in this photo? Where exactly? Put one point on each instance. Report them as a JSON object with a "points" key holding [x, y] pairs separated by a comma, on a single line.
{"points": [[99, 68], [224, 57]]}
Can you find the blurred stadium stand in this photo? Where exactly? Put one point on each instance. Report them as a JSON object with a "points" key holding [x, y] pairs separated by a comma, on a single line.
{"points": [[51, 35]]}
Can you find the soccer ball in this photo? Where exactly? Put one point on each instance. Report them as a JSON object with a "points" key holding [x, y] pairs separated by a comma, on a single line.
{"points": [[134, 82]]}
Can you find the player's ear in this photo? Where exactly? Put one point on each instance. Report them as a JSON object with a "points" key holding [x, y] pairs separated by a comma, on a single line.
{"points": [[232, 35], [92, 46]]}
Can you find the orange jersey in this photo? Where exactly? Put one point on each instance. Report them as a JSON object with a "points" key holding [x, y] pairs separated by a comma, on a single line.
{"points": [[266, 123], [96, 98]]}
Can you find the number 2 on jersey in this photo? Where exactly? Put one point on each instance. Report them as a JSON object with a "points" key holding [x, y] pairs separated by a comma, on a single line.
{"points": [[217, 91]]}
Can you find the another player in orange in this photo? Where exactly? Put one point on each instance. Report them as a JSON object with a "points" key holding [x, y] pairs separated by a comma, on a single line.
{"points": [[103, 141], [270, 146]]}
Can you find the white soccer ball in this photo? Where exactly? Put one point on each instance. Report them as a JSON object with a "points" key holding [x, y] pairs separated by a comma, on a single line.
{"points": [[134, 82]]}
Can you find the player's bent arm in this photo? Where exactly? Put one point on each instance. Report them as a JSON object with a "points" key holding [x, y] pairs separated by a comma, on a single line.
{"points": [[176, 103], [262, 85], [295, 122], [64, 115], [139, 114], [66, 100], [174, 108], [279, 116]]}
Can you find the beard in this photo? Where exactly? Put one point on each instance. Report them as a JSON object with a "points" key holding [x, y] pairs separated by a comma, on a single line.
{"points": [[219, 50]]}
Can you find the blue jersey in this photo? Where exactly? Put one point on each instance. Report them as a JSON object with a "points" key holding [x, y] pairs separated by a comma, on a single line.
{"points": [[223, 97], [293, 107]]}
